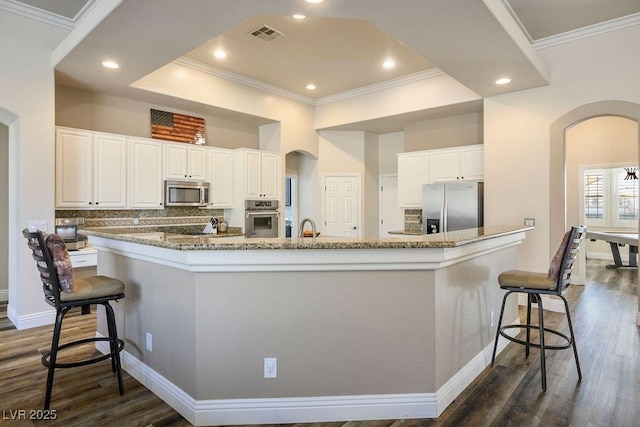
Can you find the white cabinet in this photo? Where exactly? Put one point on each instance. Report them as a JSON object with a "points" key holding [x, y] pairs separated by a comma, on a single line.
{"points": [[458, 163], [184, 161], [91, 170], [472, 162], [256, 174], [145, 174], [413, 172], [220, 176], [424, 167]]}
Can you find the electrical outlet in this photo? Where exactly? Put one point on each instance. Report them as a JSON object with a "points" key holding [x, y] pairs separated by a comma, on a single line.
{"points": [[37, 224], [149, 342], [270, 367], [529, 222]]}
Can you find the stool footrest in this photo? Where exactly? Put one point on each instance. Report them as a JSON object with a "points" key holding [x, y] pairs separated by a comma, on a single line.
{"points": [[567, 339], [47, 355]]}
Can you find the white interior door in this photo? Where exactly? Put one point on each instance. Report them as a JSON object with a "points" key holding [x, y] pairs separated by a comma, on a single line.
{"points": [[391, 216], [341, 205]]}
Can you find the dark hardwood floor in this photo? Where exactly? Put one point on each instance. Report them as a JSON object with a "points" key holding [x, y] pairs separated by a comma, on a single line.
{"points": [[509, 394]]}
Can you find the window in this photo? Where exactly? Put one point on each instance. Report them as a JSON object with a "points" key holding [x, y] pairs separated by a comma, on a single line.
{"points": [[611, 197]]}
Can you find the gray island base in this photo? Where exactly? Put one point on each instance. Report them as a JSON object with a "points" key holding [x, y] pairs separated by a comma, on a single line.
{"points": [[383, 328]]}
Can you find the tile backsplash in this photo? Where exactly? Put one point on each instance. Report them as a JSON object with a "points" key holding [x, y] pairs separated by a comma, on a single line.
{"points": [[413, 220], [177, 216]]}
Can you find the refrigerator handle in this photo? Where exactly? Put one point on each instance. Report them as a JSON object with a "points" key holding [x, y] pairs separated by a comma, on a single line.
{"points": [[443, 217]]}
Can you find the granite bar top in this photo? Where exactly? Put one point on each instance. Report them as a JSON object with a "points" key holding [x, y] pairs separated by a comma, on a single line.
{"points": [[184, 242]]}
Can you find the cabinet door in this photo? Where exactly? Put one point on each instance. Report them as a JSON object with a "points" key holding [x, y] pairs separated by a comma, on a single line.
{"points": [[197, 163], [472, 163], [74, 169], [145, 174], [220, 175], [109, 171], [175, 161], [444, 165], [270, 175], [253, 174], [413, 172]]}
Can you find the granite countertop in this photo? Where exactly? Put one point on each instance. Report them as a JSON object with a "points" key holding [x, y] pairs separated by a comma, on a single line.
{"points": [[177, 241]]}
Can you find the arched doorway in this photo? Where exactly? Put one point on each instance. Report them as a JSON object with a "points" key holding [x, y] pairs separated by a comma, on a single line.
{"points": [[557, 181]]}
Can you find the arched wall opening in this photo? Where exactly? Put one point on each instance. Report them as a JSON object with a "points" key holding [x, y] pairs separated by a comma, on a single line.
{"points": [[558, 182]]}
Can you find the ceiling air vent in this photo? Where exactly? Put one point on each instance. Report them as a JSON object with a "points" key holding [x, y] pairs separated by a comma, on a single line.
{"points": [[266, 33]]}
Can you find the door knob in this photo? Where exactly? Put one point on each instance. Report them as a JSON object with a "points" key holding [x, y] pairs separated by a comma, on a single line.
{"points": [[354, 227]]}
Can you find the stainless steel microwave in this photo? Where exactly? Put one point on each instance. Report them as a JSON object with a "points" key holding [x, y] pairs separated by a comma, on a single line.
{"points": [[186, 193]]}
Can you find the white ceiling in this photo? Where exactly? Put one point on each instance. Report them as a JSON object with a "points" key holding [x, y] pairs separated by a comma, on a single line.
{"points": [[339, 47]]}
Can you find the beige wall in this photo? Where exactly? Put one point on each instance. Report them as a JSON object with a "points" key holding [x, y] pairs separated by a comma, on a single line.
{"points": [[390, 144], [517, 129], [296, 118], [4, 211], [371, 185], [26, 107], [445, 132], [99, 112]]}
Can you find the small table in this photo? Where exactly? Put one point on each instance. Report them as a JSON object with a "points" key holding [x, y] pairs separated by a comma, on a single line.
{"points": [[615, 240]]}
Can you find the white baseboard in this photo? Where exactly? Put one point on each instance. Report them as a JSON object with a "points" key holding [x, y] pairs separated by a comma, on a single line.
{"points": [[4, 295], [305, 409], [30, 320]]}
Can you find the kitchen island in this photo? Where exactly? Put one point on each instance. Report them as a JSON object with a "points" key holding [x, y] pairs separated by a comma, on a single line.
{"points": [[371, 328]]}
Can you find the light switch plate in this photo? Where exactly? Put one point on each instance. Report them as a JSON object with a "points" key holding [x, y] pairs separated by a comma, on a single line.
{"points": [[37, 224], [529, 222]]}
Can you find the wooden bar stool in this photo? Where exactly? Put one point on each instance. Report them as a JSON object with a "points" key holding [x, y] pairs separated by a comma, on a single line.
{"points": [[555, 282], [64, 293]]}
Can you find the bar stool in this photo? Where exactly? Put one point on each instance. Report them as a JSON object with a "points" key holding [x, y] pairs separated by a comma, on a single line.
{"points": [[555, 282], [64, 293]]}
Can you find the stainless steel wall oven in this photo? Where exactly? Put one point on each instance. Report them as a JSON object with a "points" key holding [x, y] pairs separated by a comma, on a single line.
{"points": [[261, 218]]}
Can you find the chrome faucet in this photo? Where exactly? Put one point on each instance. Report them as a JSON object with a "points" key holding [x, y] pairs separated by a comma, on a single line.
{"points": [[313, 227]]}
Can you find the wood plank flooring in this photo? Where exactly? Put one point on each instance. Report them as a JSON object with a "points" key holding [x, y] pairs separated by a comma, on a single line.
{"points": [[509, 394]]}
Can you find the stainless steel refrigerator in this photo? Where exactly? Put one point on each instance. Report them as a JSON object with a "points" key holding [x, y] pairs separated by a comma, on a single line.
{"points": [[450, 206]]}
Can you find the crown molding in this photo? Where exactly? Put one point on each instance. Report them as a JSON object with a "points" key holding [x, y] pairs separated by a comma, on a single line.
{"points": [[589, 31], [45, 16], [410, 78], [228, 75], [37, 14]]}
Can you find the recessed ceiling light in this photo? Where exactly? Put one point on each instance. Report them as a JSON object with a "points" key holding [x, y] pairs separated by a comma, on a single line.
{"points": [[389, 63], [314, 1], [311, 86], [503, 81], [110, 64], [220, 54], [298, 16]]}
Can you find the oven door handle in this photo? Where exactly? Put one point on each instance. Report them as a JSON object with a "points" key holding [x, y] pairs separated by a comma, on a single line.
{"points": [[252, 213]]}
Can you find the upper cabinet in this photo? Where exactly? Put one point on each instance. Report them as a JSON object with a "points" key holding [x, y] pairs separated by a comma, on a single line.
{"points": [[220, 175], [424, 167], [460, 163], [91, 170], [256, 174], [185, 162], [413, 172], [145, 174]]}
